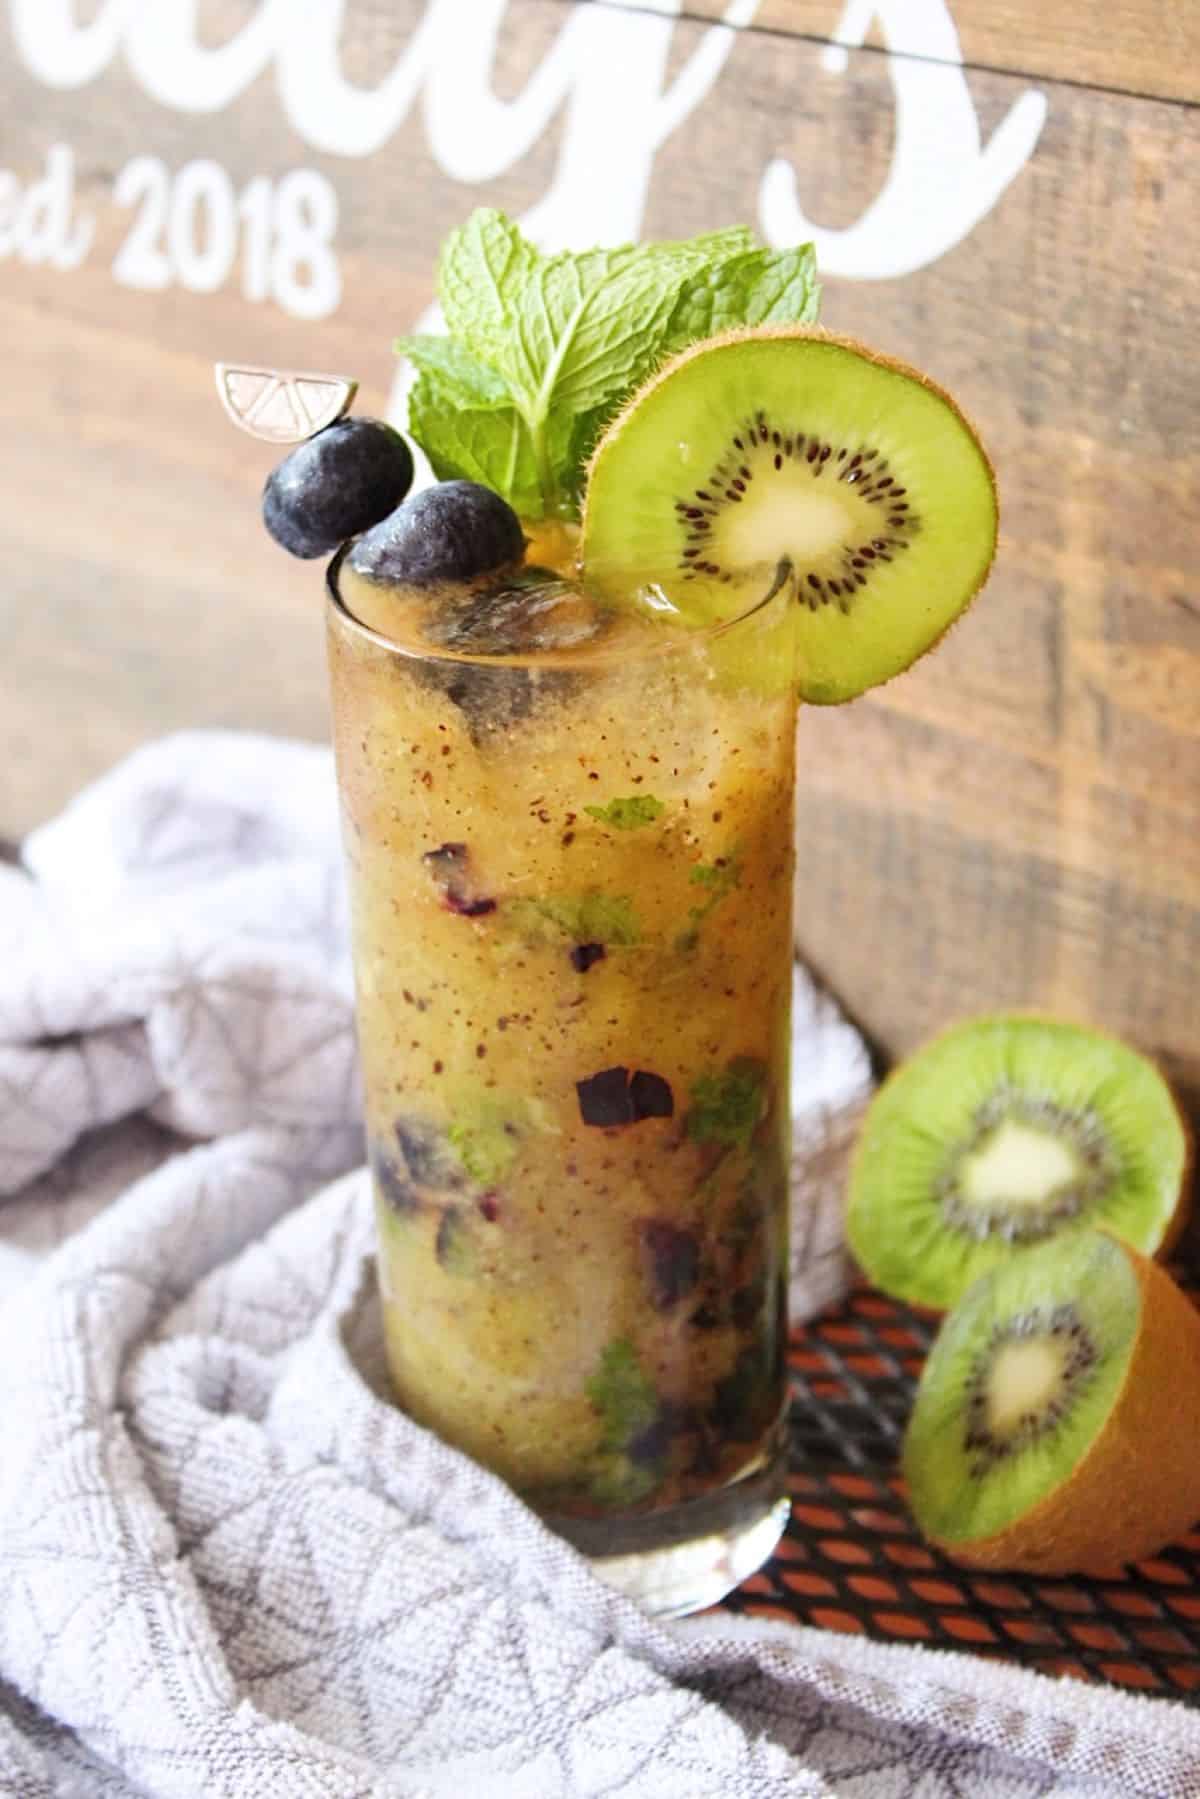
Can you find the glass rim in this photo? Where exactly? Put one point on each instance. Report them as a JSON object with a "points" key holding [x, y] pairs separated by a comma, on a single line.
{"points": [[584, 657]]}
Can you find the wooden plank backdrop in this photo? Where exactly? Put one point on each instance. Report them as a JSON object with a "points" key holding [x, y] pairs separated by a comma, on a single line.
{"points": [[1018, 820]]}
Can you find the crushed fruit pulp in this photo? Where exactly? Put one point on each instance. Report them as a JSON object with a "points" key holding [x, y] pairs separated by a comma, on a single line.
{"points": [[571, 880]]}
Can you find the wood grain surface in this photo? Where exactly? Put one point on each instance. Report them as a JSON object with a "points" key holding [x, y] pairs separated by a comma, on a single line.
{"points": [[1149, 47], [1015, 822]]}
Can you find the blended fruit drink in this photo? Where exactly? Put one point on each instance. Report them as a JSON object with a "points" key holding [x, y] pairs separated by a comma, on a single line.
{"points": [[571, 879], [565, 679]]}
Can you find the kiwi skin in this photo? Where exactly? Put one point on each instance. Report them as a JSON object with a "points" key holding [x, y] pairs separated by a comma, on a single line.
{"points": [[1137, 1489], [1173, 1227], [802, 333]]}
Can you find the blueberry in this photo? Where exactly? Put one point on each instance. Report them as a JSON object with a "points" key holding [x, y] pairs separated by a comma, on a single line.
{"points": [[394, 1182], [742, 1401], [747, 1302], [453, 1246], [651, 1095], [615, 1097], [604, 1098], [650, 1446], [449, 532], [584, 954], [450, 867], [427, 1157], [335, 485], [670, 1261]]}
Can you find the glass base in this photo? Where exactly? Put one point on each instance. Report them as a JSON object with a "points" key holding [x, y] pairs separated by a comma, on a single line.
{"points": [[682, 1560]]}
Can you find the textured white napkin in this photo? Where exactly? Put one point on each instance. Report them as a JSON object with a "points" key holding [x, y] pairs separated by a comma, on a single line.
{"points": [[228, 1567]]}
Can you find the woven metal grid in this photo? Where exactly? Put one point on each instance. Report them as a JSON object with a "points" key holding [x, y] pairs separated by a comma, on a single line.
{"points": [[852, 1559]]}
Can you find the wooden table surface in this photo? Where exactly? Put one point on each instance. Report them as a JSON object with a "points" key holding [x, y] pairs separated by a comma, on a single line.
{"points": [[1016, 821]]}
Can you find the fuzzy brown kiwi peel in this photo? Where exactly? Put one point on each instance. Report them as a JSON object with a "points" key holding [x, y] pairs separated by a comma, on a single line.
{"points": [[1056, 1424], [787, 455]]}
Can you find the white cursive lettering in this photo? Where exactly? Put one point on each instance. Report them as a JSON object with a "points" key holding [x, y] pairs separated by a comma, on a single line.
{"points": [[942, 180], [605, 74]]}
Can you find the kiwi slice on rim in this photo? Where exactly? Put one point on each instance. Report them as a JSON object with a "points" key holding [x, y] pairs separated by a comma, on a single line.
{"points": [[1001, 1133], [1057, 1417], [782, 454]]}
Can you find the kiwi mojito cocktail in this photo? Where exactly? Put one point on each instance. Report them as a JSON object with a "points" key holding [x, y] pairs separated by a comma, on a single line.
{"points": [[571, 878], [565, 678]]}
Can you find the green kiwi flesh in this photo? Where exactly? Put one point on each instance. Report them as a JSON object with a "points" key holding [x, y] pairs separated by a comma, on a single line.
{"points": [[1002, 1133], [784, 454], [1019, 1384]]}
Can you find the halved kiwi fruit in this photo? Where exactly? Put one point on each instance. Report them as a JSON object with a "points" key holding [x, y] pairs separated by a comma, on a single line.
{"points": [[1001, 1133], [1057, 1419], [783, 454]]}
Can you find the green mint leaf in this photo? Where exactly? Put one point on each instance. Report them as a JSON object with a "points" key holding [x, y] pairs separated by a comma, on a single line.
{"points": [[487, 1146], [719, 877], [726, 1107], [603, 318], [485, 270], [474, 383], [568, 336], [622, 1393], [466, 443], [616, 1481], [759, 287], [583, 918], [628, 814]]}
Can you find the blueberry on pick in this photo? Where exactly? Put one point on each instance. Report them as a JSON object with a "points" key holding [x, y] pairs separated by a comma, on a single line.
{"points": [[335, 485], [449, 532]]}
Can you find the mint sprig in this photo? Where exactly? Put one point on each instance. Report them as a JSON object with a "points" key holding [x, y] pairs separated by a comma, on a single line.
{"points": [[762, 287], [542, 350]]}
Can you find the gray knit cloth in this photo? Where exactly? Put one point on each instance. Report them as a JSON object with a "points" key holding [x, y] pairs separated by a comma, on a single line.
{"points": [[228, 1566]]}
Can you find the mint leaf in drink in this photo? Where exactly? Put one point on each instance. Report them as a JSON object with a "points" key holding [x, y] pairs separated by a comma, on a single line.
{"points": [[486, 1145], [761, 287], [581, 918], [622, 1393], [545, 348], [628, 814], [726, 1107], [719, 877], [619, 1481]]}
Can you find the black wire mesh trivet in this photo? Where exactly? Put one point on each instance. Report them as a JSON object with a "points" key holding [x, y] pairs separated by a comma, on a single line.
{"points": [[852, 1559]]}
